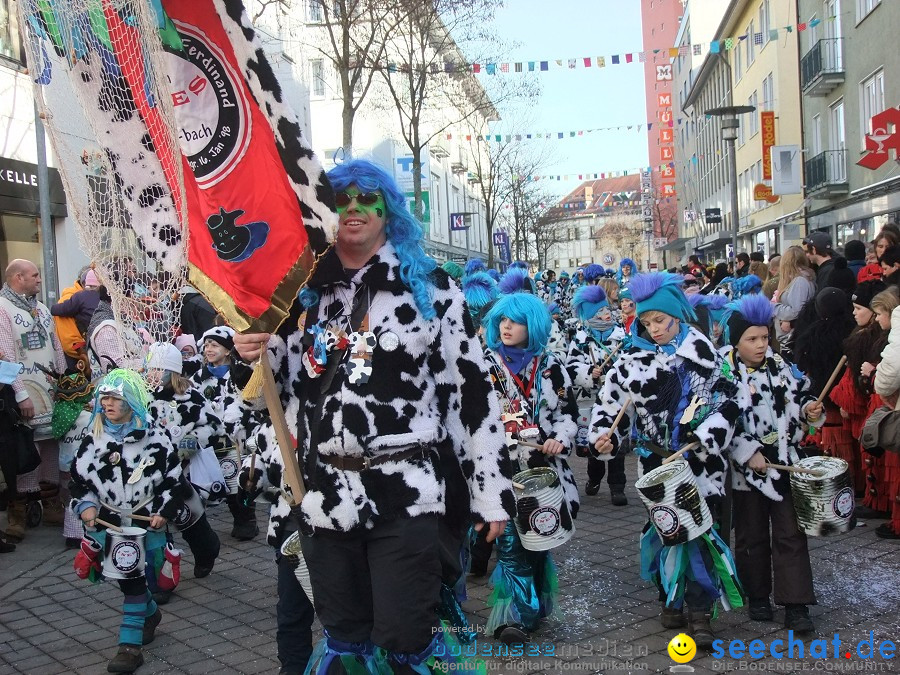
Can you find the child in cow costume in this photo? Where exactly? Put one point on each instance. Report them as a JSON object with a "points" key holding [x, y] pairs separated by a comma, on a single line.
{"points": [[189, 419], [782, 409], [535, 397], [675, 389], [126, 466]]}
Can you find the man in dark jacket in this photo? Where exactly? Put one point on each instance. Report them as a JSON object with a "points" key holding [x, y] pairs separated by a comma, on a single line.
{"points": [[819, 250]]}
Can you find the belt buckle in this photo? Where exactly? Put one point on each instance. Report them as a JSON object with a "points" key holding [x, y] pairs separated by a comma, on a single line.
{"points": [[367, 462]]}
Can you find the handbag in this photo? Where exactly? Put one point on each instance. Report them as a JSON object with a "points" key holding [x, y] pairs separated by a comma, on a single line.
{"points": [[27, 456], [881, 430]]}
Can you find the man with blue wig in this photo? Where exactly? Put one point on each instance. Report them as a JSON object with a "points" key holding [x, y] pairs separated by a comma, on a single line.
{"points": [[398, 429]]}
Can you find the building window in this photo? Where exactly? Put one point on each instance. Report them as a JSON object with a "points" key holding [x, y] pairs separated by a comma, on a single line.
{"points": [[9, 31], [318, 77], [768, 88], [865, 7], [871, 94], [738, 64], [751, 45], [754, 116], [315, 11], [764, 20]]}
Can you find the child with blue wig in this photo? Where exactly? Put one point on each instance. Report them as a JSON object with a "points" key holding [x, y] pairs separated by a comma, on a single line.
{"points": [[592, 350], [535, 396], [675, 390], [126, 467]]}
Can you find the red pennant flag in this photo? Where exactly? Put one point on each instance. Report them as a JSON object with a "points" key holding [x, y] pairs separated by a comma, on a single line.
{"points": [[628, 58], [587, 62]]}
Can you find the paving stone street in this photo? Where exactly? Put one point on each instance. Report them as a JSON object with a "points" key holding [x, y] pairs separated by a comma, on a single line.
{"points": [[53, 622]]}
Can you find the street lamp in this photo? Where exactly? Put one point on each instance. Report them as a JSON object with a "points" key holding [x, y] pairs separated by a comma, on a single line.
{"points": [[730, 126]]}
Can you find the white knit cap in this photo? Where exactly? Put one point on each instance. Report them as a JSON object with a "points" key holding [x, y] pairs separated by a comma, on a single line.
{"points": [[164, 356]]}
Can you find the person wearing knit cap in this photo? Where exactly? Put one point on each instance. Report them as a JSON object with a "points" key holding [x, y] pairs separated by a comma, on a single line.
{"points": [[181, 410], [591, 351], [475, 265], [769, 546], [855, 253], [213, 381], [842, 276], [537, 405], [123, 441], [191, 360], [516, 280], [710, 310], [454, 270], [659, 381], [593, 273], [480, 292], [854, 395], [627, 308]]}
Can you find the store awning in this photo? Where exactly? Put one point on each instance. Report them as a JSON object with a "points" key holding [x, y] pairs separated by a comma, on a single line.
{"points": [[676, 244]]}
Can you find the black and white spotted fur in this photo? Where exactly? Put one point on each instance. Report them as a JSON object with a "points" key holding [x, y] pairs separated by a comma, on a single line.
{"points": [[433, 388], [98, 479], [557, 417], [641, 374], [584, 352], [779, 395], [187, 415]]}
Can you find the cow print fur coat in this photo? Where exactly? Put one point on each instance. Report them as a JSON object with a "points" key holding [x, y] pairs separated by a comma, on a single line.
{"points": [[429, 385], [187, 416], [779, 395], [585, 352], [645, 373], [103, 466], [557, 416]]}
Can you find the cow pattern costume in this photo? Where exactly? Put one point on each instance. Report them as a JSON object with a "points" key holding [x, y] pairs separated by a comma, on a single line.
{"points": [[429, 384]]}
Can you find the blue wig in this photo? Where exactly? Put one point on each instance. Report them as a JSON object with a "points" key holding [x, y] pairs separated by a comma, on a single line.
{"points": [[751, 310], [479, 290], [494, 274], [593, 272], [475, 265], [519, 264], [403, 230], [715, 306], [520, 308], [516, 280], [747, 285], [629, 261]]}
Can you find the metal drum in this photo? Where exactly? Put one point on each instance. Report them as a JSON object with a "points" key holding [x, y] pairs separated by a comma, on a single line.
{"points": [[230, 462], [542, 514], [824, 503], [191, 510], [125, 554], [677, 509]]}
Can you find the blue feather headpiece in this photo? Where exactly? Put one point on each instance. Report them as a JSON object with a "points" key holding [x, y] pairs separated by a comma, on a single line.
{"points": [[516, 280], [661, 291], [475, 265], [588, 301], [747, 285], [479, 290], [751, 310]]}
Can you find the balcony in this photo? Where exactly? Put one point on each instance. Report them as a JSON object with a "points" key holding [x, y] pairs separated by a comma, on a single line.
{"points": [[826, 175], [822, 68], [438, 150]]}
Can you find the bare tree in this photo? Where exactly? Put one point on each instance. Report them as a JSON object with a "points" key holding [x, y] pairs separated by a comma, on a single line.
{"points": [[624, 233], [430, 87]]}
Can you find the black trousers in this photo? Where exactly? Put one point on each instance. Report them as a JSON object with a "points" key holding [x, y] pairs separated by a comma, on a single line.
{"points": [[767, 539], [203, 541], [295, 615], [380, 585], [597, 469]]}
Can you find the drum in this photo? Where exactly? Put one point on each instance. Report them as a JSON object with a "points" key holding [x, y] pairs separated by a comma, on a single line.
{"points": [[191, 510], [677, 509], [824, 503], [542, 514], [125, 554], [230, 461], [292, 552]]}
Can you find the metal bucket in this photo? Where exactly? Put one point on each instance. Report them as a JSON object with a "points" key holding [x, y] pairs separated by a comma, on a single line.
{"points": [[230, 462], [677, 509], [824, 504], [191, 510], [125, 554], [542, 515]]}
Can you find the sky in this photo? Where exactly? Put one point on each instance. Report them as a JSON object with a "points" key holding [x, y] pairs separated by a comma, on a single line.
{"points": [[581, 98]]}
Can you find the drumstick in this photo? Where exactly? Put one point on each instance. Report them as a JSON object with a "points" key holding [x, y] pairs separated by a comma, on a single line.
{"points": [[137, 517], [108, 526], [796, 469], [621, 414], [529, 444], [518, 486], [610, 355], [831, 379], [677, 455]]}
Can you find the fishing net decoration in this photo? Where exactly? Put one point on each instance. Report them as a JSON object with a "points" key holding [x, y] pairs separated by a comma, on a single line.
{"points": [[682, 400], [116, 150]]}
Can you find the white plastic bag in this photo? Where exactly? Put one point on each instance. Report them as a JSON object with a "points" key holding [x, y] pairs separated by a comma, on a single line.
{"points": [[206, 475]]}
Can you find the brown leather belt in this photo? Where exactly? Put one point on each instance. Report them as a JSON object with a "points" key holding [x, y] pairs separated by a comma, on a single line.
{"points": [[364, 463]]}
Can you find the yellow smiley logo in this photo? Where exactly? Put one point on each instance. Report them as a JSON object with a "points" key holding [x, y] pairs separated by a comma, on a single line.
{"points": [[682, 648]]}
